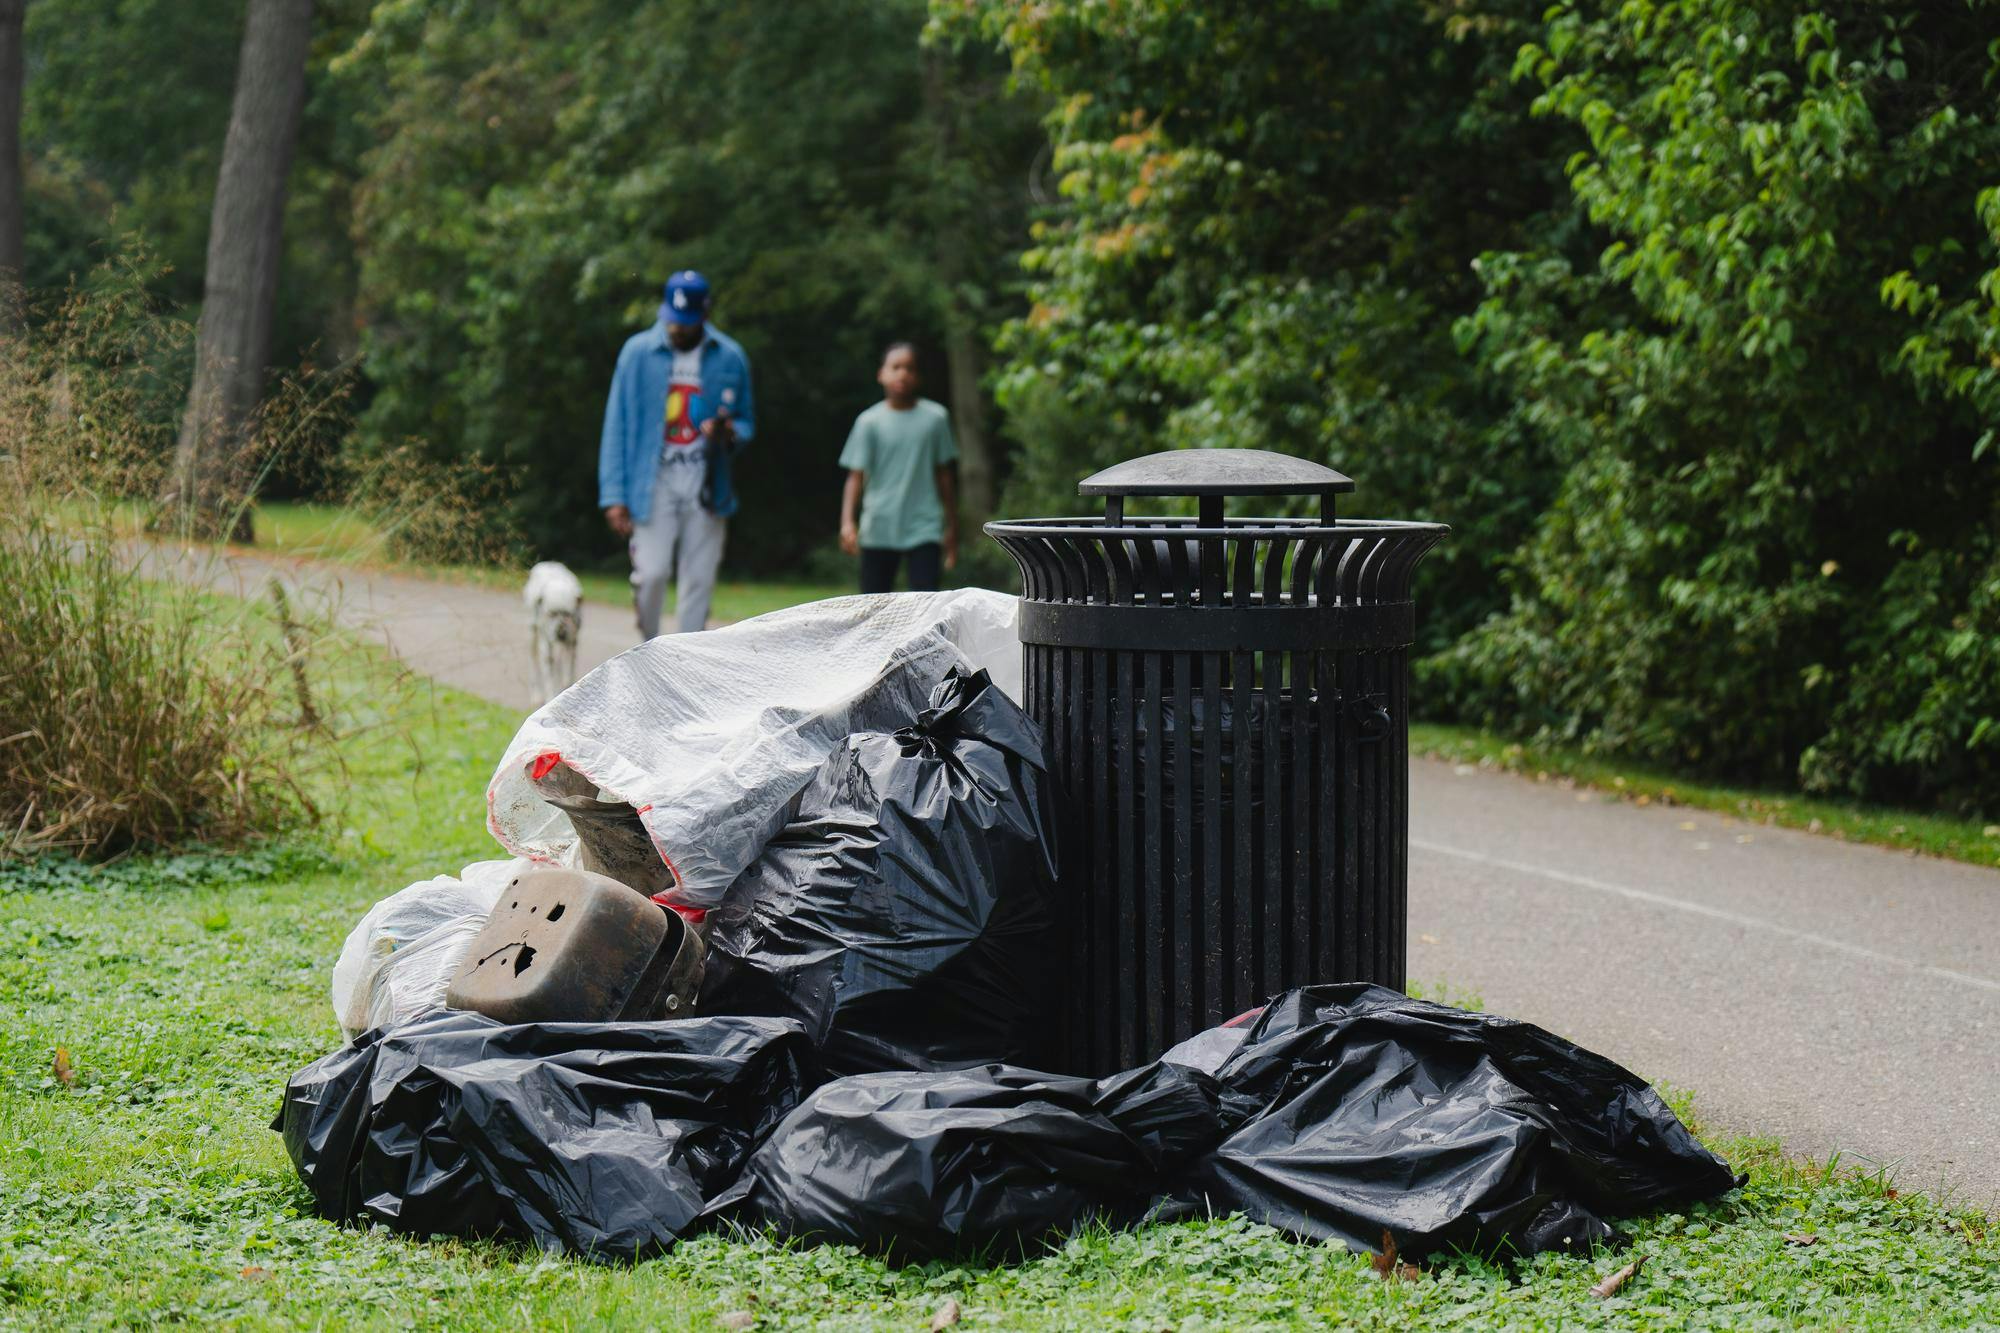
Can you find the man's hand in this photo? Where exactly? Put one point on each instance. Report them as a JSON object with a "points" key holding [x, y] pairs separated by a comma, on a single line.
{"points": [[720, 428], [850, 539], [951, 550], [620, 519]]}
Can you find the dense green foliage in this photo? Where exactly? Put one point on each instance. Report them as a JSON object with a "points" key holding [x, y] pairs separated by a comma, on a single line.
{"points": [[1775, 546], [1268, 212], [1684, 315], [125, 109]]}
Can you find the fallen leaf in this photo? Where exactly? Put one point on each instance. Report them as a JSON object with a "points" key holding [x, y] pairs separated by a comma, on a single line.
{"points": [[1608, 1288], [1642, 799], [1387, 1268], [1814, 826], [1687, 826], [1428, 939], [946, 1316], [255, 1274], [1889, 1194], [736, 1319], [1701, 846], [65, 1072], [1385, 1262], [1801, 1238]]}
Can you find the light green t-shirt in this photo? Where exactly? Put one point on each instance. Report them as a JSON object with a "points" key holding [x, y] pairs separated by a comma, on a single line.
{"points": [[900, 452]]}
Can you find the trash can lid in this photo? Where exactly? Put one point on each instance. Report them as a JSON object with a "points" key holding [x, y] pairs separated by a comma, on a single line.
{"points": [[1215, 472]]}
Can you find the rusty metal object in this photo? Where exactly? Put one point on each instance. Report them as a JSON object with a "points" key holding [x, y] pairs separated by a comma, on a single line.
{"points": [[577, 946], [611, 839]]}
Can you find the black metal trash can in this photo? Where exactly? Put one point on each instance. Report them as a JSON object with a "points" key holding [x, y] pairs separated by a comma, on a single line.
{"points": [[1225, 701]]}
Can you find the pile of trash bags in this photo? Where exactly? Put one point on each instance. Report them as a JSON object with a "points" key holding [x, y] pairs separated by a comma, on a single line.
{"points": [[858, 824], [1342, 1113]]}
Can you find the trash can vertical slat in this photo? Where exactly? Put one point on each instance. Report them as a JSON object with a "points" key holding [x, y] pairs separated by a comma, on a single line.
{"points": [[1098, 1008], [1272, 917], [1313, 550], [1327, 845], [1183, 764], [1243, 865]]}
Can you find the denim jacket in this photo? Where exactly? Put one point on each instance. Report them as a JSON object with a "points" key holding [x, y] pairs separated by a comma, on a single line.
{"points": [[628, 455]]}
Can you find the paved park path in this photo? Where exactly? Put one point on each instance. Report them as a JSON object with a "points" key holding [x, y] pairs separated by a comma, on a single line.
{"points": [[1836, 997]]}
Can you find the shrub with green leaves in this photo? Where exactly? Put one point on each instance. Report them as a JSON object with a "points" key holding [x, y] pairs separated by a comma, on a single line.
{"points": [[1267, 212], [1773, 551]]}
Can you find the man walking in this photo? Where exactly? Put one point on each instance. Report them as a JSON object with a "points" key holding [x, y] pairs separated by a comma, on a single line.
{"points": [[679, 411]]}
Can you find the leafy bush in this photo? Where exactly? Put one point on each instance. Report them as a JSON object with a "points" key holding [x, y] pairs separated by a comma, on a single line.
{"points": [[1773, 395], [1267, 213]]}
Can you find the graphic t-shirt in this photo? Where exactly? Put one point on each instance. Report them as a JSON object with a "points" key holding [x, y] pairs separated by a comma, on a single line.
{"points": [[900, 452], [683, 448]]}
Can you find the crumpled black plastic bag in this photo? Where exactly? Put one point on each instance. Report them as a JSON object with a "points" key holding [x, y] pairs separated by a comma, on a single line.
{"points": [[990, 1160], [905, 914], [606, 1139], [1355, 1110], [1344, 1112]]}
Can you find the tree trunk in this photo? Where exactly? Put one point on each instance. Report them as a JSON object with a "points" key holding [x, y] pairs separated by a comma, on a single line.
{"points": [[13, 256], [965, 357], [211, 478]]}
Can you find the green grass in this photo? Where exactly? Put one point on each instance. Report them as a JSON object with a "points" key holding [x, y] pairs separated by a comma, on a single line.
{"points": [[331, 532], [186, 990], [1971, 840]]}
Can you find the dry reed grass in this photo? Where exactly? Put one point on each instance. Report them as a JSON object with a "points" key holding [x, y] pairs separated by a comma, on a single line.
{"points": [[140, 708]]}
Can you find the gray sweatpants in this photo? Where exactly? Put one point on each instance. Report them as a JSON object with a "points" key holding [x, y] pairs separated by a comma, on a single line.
{"points": [[682, 541]]}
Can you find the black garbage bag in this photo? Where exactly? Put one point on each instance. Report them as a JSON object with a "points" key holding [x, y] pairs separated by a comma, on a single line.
{"points": [[605, 1139], [1356, 1110], [993, 1161], [905, 914], [1341, 1113]]}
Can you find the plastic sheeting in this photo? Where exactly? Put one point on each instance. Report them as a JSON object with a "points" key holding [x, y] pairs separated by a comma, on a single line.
{"points": [[399, 958], [708, 736], [906, 915], [1344, 1112]]}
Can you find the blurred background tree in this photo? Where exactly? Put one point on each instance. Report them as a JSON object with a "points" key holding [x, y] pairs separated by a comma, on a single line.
{"points": [[539, 170]]}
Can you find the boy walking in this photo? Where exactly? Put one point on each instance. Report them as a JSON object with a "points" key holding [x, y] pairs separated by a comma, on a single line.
{"points": [[899, 456]]}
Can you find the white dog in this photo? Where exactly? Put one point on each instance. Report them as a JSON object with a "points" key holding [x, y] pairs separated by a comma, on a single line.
{"points": [[555, 615]]}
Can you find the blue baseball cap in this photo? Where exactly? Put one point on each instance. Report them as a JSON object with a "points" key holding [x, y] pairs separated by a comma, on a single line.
{"points": [[687, 298]]}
